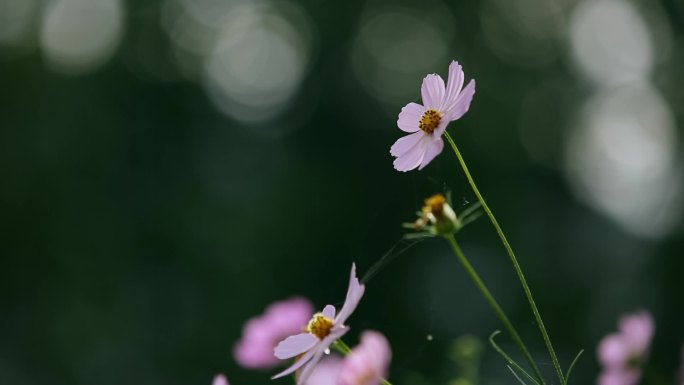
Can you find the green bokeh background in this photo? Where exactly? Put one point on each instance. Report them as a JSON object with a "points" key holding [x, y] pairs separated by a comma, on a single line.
{"points": [[141, 226]]}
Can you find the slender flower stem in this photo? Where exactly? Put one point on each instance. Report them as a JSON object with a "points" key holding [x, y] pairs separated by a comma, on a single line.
{"points": [[495, 305], [344, 349], [514, 260]]}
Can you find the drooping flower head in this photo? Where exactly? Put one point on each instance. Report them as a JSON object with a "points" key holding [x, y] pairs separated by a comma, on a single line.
{"points": [[368, 362], [426, 123], [323, 329], [622, 354], [261, 334], [220, 379]]}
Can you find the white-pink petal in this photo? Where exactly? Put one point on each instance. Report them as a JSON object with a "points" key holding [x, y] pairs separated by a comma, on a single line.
{"points": [[454, 85], [311, 365], [326, 371], [413, 157], [432, 91], [294, 345], [462, 103], [409, 117], [329, 311], [298, 364], [406, 143], [433, 149], [354, 294]]}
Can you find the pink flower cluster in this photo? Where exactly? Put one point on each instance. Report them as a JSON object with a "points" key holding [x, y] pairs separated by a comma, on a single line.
{"points": [[623, 353], [261, 334], [323, 329]]}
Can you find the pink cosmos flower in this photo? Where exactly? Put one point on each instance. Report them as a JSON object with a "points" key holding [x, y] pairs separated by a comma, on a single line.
{"points": [[622, 354], [220, 379], [261, 334], [367, 363], [427, 122], [323, 329]]}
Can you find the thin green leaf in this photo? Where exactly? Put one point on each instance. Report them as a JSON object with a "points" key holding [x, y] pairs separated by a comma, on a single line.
{"points": [[470, 209], [466, 220], [508, 358], [572, 365], [418, 236], [516, 375]]}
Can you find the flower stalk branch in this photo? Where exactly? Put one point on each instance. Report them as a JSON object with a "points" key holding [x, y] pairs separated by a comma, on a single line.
{"points": [[495, 305], [516, 265]]}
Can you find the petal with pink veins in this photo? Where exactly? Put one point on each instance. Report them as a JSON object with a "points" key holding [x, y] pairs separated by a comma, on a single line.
{"points": [[433, 149], [454, 85], [462, 103], [432, 91]]}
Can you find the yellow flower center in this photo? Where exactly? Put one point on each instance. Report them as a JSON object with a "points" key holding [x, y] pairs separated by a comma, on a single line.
{"points": [[435, 205], [319, 325], [429, 121]]}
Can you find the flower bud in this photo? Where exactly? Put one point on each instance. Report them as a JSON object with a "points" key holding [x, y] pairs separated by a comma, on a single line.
{"points": [[440, 215]]}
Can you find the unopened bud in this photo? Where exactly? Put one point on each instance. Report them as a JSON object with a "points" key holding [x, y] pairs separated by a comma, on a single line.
{"points": [[438, 213]]}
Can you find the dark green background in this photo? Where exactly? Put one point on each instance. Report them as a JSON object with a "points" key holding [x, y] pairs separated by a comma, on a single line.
{"points": [[141, 227]]}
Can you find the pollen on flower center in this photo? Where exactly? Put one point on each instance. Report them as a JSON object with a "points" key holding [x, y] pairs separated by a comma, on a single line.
{"points": [[319, 325], [429, 121], [435, 204]]}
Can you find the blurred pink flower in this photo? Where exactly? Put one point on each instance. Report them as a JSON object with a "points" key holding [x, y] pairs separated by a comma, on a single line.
{"points": [[220, 379], [368, 362], [323, 329], [622, 354], [326, 371], [426, 123], [261, 334]]}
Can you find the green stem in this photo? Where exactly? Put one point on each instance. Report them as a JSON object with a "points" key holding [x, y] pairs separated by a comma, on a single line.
{"points": [[514, 260], [341, 347], [495, 305]]}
